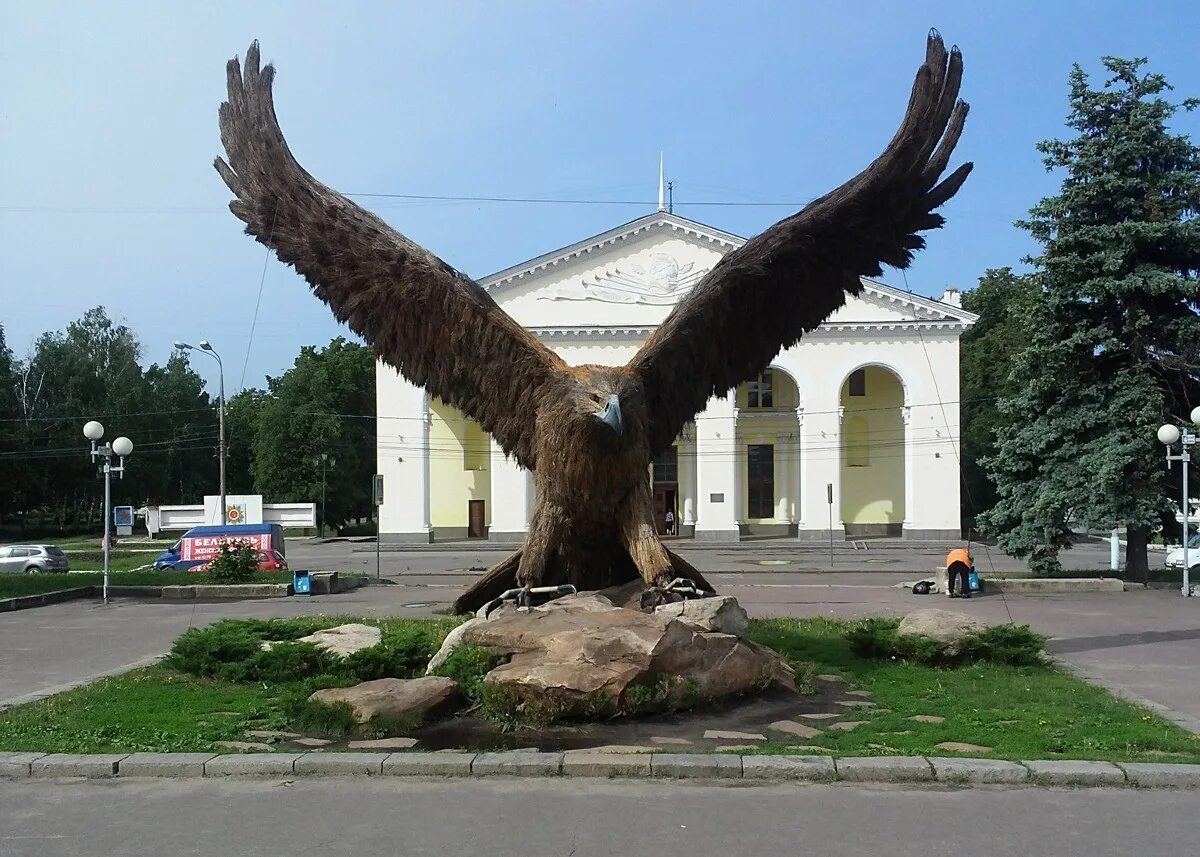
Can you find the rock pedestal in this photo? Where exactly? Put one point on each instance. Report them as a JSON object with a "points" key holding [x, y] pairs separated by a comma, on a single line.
{"points": [[578, 652]]}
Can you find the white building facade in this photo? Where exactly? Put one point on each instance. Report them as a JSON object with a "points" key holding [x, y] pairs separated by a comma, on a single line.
{"points": [[854, 429]]}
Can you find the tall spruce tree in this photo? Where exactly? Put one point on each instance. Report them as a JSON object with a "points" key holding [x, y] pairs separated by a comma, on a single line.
{"points": [[1114, 348], [989, 350]]}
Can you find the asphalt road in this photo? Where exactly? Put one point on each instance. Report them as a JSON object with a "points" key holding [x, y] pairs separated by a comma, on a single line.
{"points": [[558, 818]]}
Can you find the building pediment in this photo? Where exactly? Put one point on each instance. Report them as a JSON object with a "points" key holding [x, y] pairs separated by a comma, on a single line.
{"points": [[630, 277]]}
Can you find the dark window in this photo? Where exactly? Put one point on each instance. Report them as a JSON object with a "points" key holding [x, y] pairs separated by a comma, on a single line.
{"points": [[858, 382], [666, 466], [760, 392], [760, 480]]}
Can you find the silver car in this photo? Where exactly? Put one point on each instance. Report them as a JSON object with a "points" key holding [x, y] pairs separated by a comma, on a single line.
{"points": [[32, 559]]}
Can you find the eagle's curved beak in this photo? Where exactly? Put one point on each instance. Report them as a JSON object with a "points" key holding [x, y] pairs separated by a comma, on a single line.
{"points": [[610, 414]]}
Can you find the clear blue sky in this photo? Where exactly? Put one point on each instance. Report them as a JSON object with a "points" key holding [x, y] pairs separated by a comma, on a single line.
{"points": [[108, 130]]}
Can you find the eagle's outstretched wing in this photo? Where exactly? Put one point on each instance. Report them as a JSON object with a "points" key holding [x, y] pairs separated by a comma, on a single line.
{"points": [[765, 295], [439, 328]]}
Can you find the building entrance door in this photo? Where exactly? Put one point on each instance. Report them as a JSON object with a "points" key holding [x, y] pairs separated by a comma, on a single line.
{"points": [[475, 520], [666, 497]]}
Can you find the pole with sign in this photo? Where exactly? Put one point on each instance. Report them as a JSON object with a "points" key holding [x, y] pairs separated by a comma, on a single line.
{"points": [[829, 500], [378, 518]]}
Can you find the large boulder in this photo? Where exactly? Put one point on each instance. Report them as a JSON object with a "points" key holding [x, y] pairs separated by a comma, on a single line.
{"points": [[578, 651], [722, 614], [395, 698], [341, 640], [945, 626], [453, 640]]}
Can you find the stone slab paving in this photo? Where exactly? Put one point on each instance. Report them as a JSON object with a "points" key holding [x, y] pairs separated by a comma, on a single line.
{"points": [[164, 764], [977, 771], [1053, 772]]}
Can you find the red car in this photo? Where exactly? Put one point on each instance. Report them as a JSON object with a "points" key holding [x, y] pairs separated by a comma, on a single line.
{"points": [[267, 561]]}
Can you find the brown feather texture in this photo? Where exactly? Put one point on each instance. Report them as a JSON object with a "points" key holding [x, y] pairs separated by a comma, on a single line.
{"points": [[762, 297], [439, 328], [592, 519]]}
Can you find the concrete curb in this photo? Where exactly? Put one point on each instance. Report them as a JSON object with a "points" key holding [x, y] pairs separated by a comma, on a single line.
{"points": [[757, 769], [324, 583]]}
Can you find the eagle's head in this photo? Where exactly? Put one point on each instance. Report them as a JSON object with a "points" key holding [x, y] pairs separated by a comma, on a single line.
{"points": [[603, 414]]}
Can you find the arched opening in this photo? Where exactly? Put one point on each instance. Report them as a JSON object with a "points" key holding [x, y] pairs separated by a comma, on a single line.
{"points": [[768, 451], [872, 452], [459, 474]]}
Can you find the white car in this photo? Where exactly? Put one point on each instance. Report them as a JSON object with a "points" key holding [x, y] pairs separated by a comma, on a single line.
{"points": [[1175, 555]]}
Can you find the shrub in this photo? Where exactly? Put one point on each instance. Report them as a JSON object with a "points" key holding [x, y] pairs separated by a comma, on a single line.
{"points": [[231, 650], [1015, 645], [467, 665], [236, 563], [400, 654], [282, 663], [879, 639], [205, 651]]}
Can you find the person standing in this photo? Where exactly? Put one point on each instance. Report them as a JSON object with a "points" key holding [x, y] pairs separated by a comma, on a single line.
{"points": [[669, 521]]}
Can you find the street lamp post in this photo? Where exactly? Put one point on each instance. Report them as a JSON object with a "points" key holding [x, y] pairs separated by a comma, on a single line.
{"points": [[325, 460], [1169, 435], [207, 348], [120, 447]]}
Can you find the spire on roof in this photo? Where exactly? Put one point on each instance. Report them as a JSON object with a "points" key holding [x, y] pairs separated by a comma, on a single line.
{"points": [[662, 185]]}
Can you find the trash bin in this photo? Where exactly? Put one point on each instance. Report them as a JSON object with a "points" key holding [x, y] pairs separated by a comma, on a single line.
{"points": [[301, 583]]}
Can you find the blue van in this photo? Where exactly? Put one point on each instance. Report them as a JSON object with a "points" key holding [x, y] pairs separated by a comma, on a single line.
{"points": [[203, 544]]}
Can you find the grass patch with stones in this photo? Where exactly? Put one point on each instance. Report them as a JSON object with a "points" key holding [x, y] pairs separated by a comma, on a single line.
{"points": [[1025, 712], [1029, 712]]}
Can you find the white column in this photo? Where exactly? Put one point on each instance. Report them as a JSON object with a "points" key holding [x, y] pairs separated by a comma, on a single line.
{"points": [[717, 466], [687, 475], [510, 502], [797, 451], [783, 469], [906, 418], [820, 463], [402, 457]]}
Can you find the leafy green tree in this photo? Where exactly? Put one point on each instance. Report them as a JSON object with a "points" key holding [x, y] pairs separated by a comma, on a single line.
{"points": [[1114, 327], [179, 432], [988, 354], [324, 404], [90, 370], [241, 429], [10, 464]]}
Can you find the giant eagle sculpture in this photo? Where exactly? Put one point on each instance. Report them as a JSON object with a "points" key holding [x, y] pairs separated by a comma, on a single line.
{"points": [[589, 432]]}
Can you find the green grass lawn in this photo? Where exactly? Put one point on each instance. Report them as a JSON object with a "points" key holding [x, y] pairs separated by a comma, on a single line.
{"points": [[1022, 713]]}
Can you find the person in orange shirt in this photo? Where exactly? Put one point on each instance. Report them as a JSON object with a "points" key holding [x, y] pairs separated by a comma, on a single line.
{"points": [[959, 564]]}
